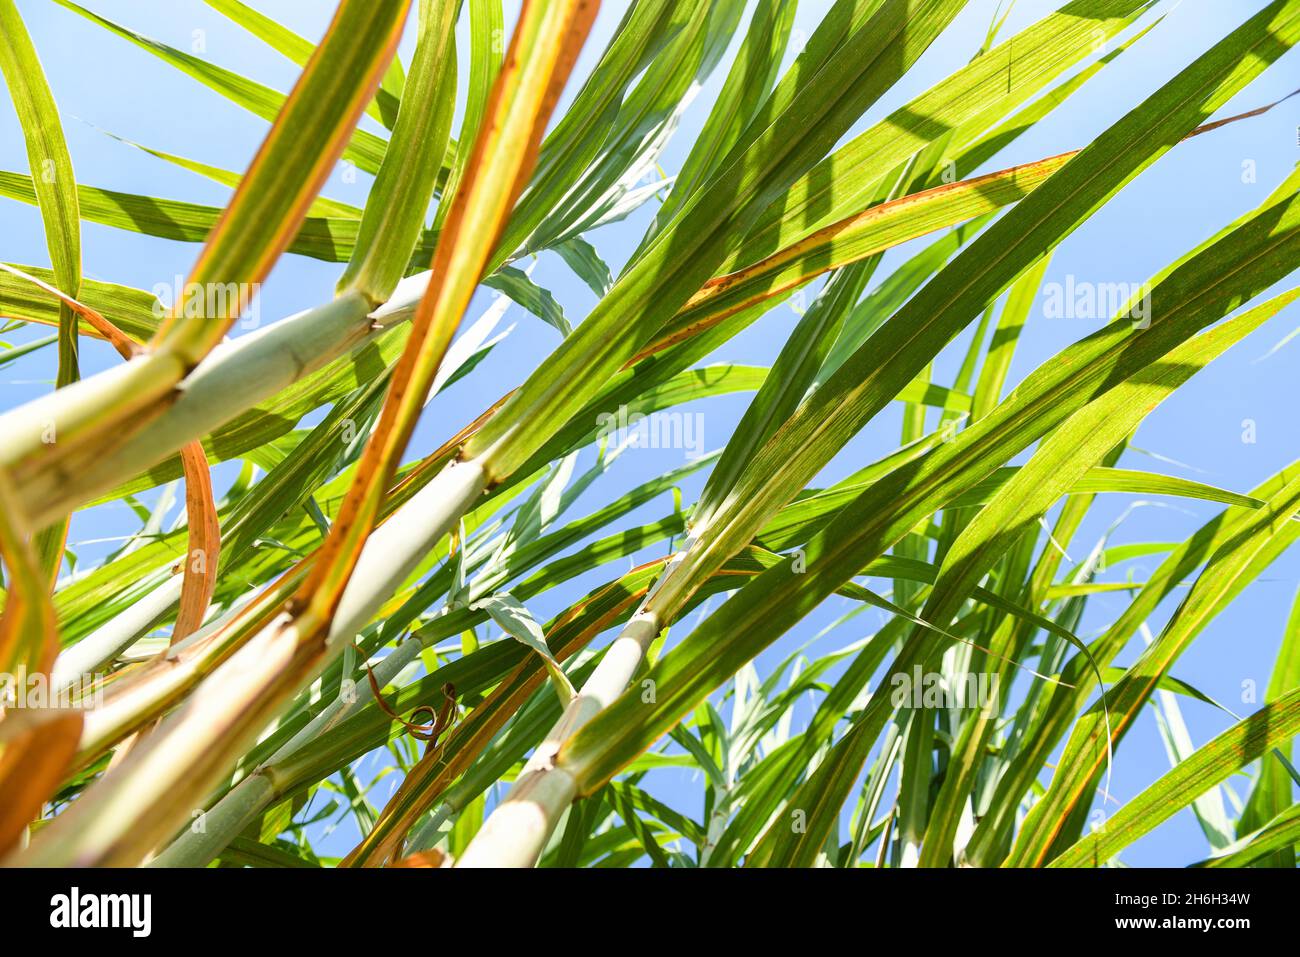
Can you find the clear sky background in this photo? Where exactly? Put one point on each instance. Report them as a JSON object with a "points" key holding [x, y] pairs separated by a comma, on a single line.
{"points": [[104, 83]]}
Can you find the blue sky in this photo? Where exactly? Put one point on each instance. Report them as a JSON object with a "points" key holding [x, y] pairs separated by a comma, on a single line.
{"points": [[103, 82]]}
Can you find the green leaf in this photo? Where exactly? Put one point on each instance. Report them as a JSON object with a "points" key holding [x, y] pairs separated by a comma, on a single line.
{"points": [[53, 180], [519, 286], [365, 149], [1274, 841], [56, 191], [981, 93], [1256, 539], [688, 251], [309, 134], [134, 311], [1213, 763], [523, 627], [295, 48], [328, 238], [395, 210], [1271, 795], [760, 612]]}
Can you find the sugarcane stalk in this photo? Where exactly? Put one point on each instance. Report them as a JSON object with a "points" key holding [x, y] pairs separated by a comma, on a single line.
{"points": [[123, 817], [195, 847], [516, 832]]}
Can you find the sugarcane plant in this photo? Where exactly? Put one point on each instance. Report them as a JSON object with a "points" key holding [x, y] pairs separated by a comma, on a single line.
{"points": [[219, 690]]}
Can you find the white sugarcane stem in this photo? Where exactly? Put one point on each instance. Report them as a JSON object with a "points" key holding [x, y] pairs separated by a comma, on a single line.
{"points": [[233, 378], [195, 846], [82, 660], [516, 833], [121, 818]]}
